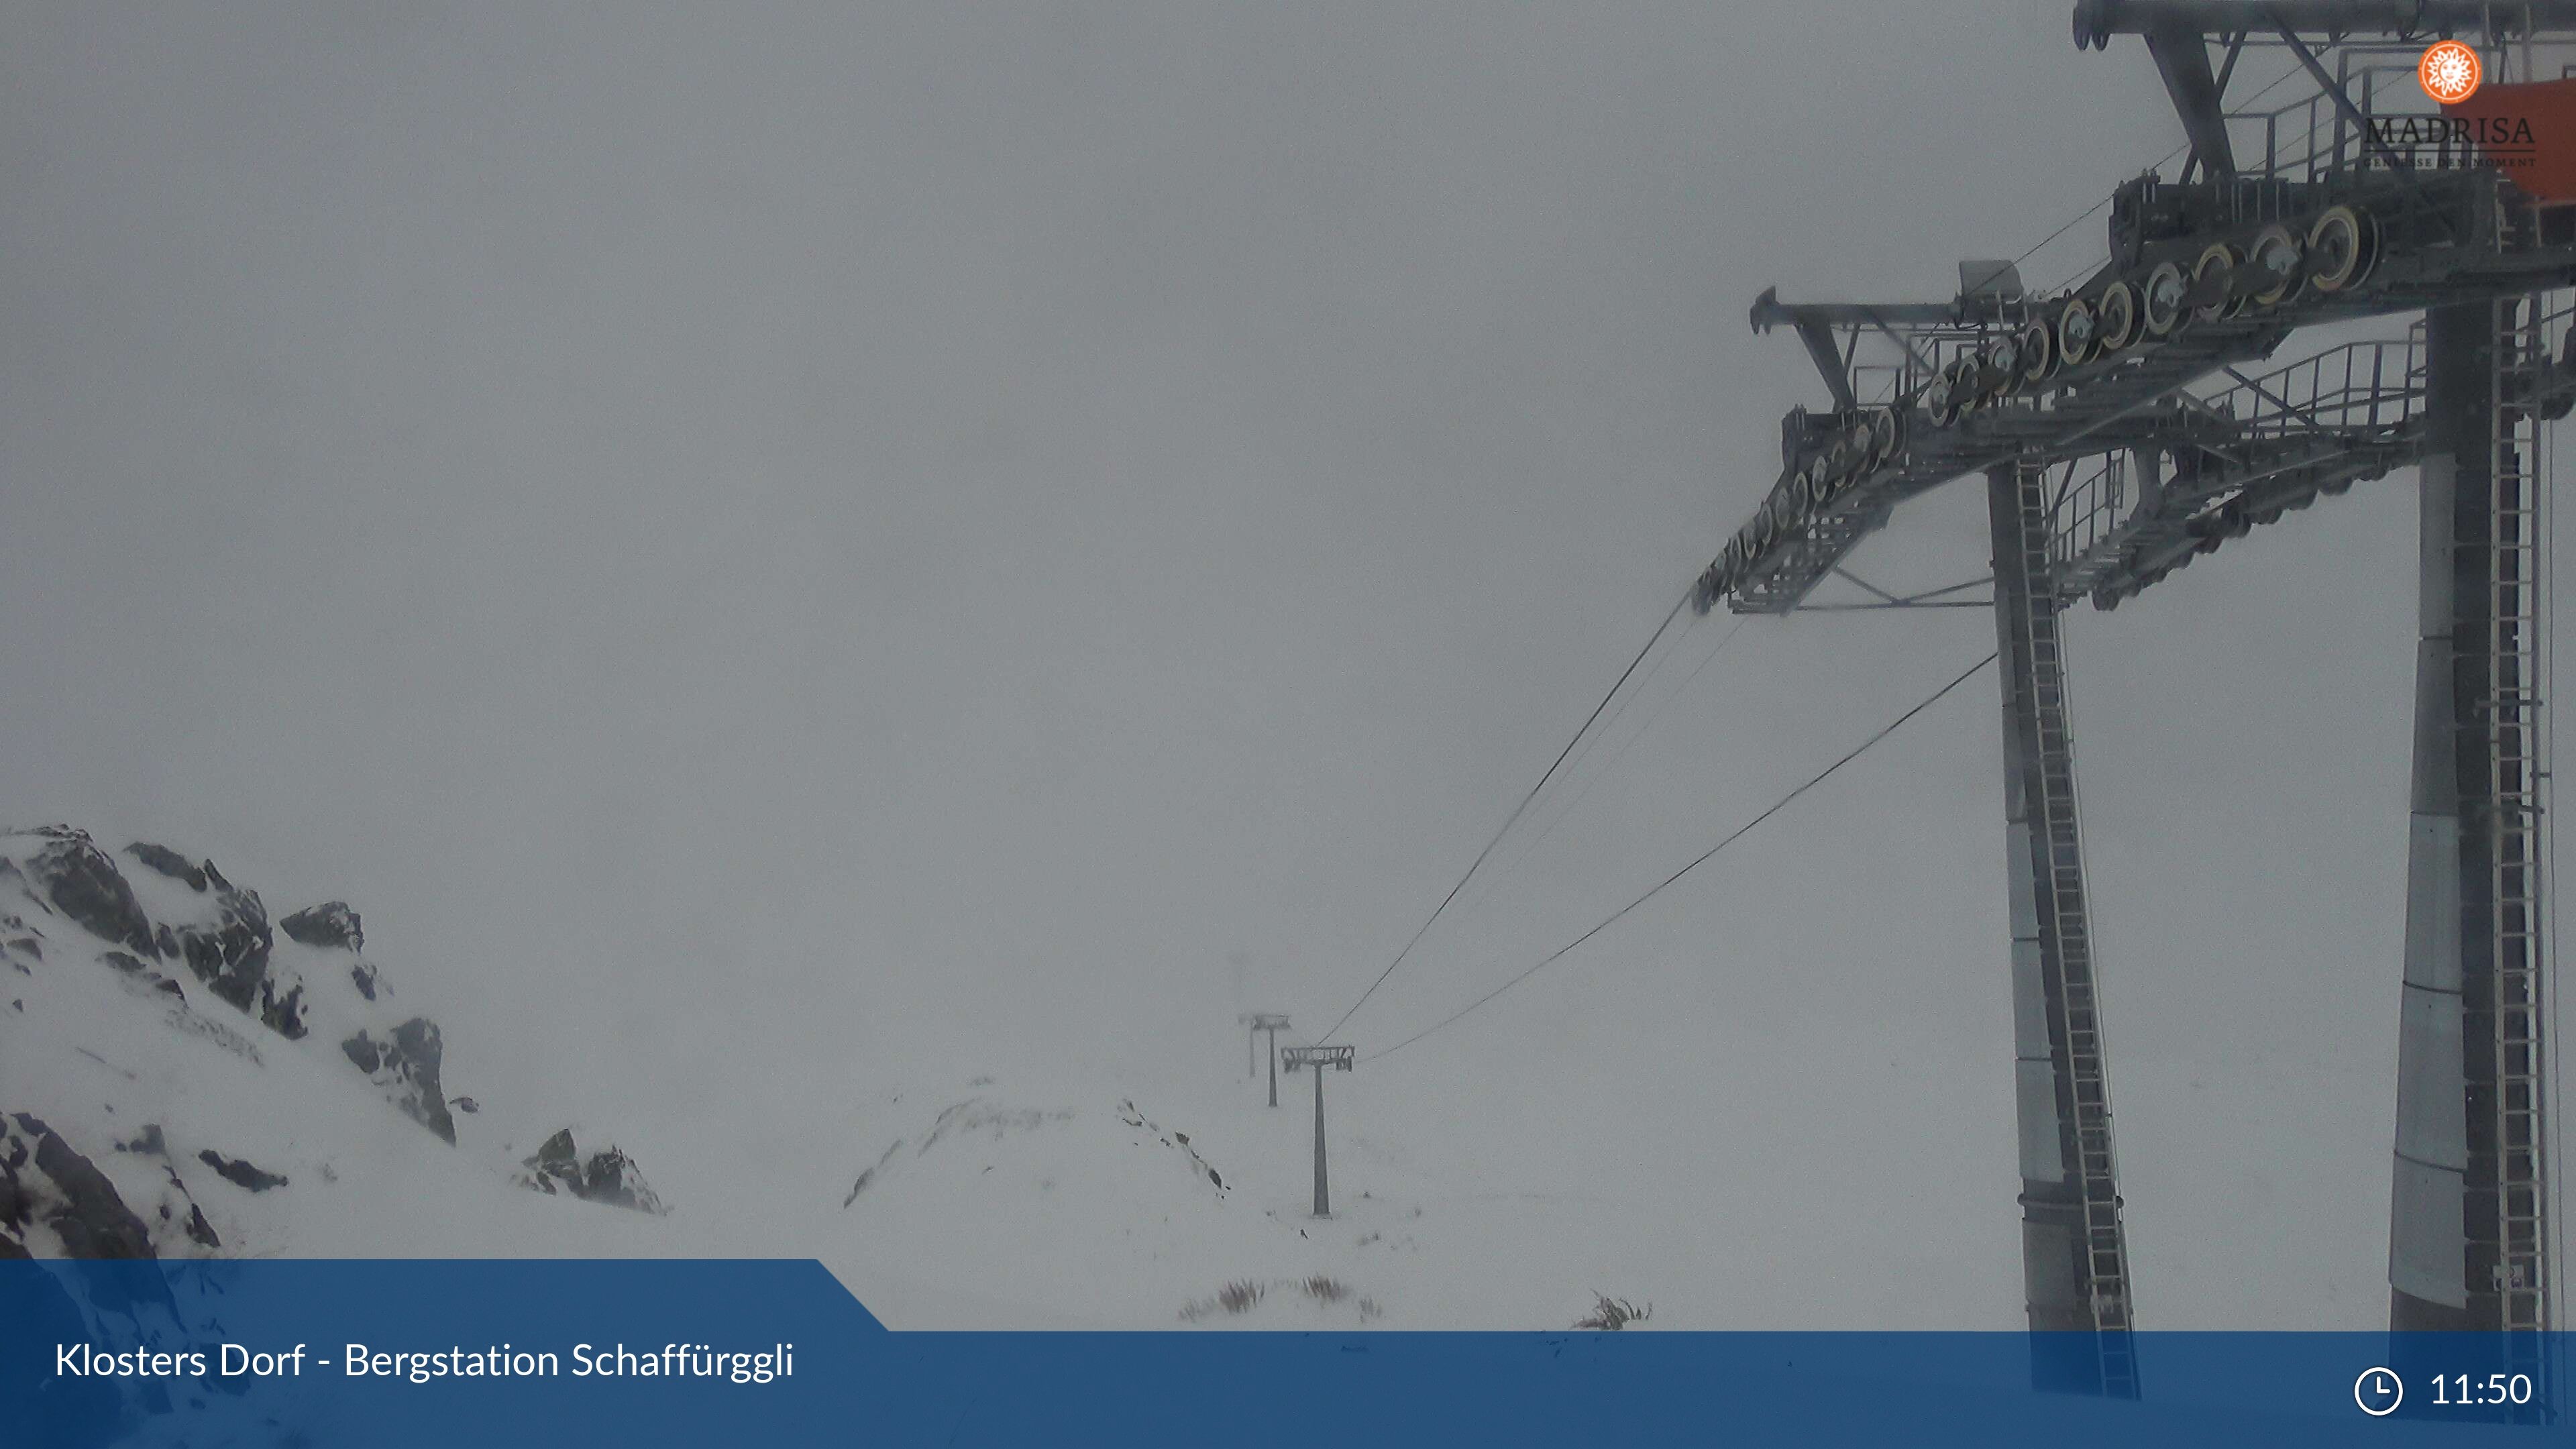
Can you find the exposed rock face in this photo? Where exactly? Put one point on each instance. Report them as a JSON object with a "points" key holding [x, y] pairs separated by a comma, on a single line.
{"points": [[230, 953], [169, 862], [116, 957], [173, 910], [329, 924], [240, 1173], [608, 1176], [406, 1066], [82, 883], [282, 1012], [224, 938], [43, 1180]]}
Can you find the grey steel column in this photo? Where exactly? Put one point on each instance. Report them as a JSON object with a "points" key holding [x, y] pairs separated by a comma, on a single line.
{"points": [[1274, 1067], [1323, 1198], [2468, 1219], [2429, 1259], [2074, 1252]]}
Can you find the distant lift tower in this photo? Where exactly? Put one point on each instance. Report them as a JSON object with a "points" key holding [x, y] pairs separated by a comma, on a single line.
{"points": [[1320, 1059], [2120, 436], [1274, 1023]]}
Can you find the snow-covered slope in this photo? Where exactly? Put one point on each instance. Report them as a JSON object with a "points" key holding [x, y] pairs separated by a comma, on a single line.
{"points": [[182, 1075], [1086, 1208]]}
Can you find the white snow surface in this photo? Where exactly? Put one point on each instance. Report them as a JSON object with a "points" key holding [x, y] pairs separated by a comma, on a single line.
{"points": [[946, 1197]]}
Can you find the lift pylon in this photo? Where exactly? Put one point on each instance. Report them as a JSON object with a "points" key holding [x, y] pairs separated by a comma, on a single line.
{"points": [[2124, 428], [1320, 1059]]}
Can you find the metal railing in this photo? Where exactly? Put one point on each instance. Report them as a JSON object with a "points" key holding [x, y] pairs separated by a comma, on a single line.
{"points": [[2371, 388]]}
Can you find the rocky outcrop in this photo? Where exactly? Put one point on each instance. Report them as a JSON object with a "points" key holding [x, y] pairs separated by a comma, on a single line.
{"points": [[43, 1180], [239, 1172], [405, 1064], [174, 910], [80, 881], [230, 952], [169, 862], [179, 937], [224, 940], [607, 1176], [329, 924], [282, 1011]]}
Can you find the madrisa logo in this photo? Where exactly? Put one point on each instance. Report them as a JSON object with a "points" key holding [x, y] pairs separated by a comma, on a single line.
{"points": [[2449, 72], [2505, 141], [2488, 133]]}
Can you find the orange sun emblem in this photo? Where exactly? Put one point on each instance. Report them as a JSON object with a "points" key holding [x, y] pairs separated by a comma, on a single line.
{"points": [[2450, 72]]}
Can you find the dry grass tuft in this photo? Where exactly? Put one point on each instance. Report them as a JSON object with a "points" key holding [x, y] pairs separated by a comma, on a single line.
{"points": [[1612, 1314], [1237, 1297], [1325, 1290]]}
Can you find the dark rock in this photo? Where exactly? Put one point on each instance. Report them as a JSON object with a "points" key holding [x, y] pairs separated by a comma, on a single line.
{"points": [[609, 1176], [331, 923], [169, 862], [93, 1221], [283, 1014], [240, 1172], [29, 946], [466, 1105], [363, 976], [200, 1231], [17, 1199], [231, 955], [407, 1067], [83, 884]]}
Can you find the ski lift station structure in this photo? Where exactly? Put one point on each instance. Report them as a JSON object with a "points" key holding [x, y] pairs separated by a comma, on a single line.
{"points": [[2121, 428]]}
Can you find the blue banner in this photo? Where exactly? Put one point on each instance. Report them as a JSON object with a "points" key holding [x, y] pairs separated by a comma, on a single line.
{"points": [[688, 1353]]}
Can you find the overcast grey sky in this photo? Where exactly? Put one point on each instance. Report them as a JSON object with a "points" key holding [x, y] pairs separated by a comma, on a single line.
{"points": [[757, 543]]}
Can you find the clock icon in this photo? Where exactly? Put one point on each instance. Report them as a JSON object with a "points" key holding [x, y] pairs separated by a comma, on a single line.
{"points": [[2378, 1392]]}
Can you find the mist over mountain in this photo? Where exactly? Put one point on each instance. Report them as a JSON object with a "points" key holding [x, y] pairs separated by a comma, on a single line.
{"points": [[184, 1074]]}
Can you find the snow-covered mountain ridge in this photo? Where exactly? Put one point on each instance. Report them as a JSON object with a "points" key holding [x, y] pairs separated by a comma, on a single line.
{"points": [[182, 1076]]}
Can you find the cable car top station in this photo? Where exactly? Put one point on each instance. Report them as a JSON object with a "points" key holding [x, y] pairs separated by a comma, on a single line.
{"points": [[2130, 422]]}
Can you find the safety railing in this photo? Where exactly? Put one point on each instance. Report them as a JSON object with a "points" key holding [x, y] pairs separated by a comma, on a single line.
{"points": [[2360, 388]]}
